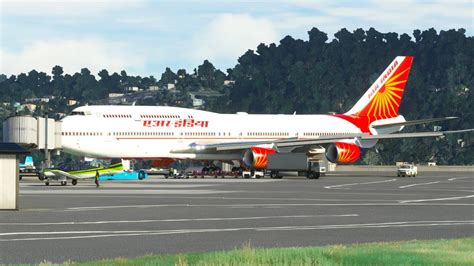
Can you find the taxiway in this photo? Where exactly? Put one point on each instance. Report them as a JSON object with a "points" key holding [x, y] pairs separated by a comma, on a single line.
{"points": [[134, 218]]}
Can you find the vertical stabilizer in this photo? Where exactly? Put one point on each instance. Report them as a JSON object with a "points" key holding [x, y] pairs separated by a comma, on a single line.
{"points": [[382, 99], [29, 161]]}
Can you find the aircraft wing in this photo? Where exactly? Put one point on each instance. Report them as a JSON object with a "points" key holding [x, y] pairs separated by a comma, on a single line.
{"points": [[243, 145], [59, 174], [306, 142], [415, 122]]}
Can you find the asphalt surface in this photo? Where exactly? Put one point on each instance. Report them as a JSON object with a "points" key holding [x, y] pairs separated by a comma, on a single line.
{"points": [[134, 218]]}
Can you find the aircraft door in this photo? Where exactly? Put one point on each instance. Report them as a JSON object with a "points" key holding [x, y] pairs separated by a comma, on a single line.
{"points": [[136, 117]]}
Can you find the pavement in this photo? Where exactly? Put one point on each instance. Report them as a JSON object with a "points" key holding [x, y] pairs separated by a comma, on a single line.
{"points": [[155, 216]]}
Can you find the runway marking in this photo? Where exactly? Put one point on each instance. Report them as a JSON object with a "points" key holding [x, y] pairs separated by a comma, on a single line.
{"points": [[104, 234], [456, 178], [121, 191], [260, 205], [364, 183], [185, 220], [420, 184], [227, 198], [435, 182], [373, 225], [437, 199]]}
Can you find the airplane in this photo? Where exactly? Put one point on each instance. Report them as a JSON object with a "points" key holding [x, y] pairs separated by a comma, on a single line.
{"points": [[28, 166], [62, 175], [172, 133]]}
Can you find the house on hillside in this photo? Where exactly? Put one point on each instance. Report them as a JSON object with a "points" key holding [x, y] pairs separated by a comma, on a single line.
{"points": [[132, 89], [196, 101]]}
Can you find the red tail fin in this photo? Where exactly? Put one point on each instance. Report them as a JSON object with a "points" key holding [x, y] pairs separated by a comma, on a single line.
{"points": [[382, 99]]}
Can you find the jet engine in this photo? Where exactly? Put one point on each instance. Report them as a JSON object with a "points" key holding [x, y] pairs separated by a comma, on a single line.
{"points": [[343, 153], [257, 157]]}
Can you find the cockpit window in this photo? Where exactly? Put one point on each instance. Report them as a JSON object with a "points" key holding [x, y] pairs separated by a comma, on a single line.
{"points": [[77, 113]]}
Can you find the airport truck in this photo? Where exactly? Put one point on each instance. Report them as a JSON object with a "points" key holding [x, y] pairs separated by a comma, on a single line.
{"points": [[295, 162], [255, 173], [407, 170]]}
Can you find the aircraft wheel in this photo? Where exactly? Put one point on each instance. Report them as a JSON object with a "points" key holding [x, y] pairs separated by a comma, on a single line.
{"points": [[74, 182], [21, 177], [63, 183], [46, 183], [141, 175]]}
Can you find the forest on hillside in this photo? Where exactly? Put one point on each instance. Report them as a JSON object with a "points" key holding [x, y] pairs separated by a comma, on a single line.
{"points": [[318, 75]]}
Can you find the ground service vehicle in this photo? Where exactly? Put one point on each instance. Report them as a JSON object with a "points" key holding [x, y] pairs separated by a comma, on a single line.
{"points": [[407, 170], [298, 162], [125, 175], [253, 173]]}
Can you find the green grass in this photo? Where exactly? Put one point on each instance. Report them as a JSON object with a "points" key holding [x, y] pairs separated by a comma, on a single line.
{"points": [[426, 252]]}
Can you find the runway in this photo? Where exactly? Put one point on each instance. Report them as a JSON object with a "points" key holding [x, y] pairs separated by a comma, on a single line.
{"points": [[134, 218]]}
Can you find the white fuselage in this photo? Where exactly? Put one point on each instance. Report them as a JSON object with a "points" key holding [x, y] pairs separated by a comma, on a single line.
{"points": [[153, 132]]}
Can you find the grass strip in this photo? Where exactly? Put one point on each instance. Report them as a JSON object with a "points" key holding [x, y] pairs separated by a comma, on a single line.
{"points": [[415, 252]]}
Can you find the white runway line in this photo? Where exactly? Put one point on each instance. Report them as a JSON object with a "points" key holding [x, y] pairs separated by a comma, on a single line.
{"points": [[437, 199], [94, 208], [104, 234], [184, 220], [435, 182], [228, 198], [364, 183], [119, 191], [456, 178], [152, 185], [373, 225], [420, 184]]}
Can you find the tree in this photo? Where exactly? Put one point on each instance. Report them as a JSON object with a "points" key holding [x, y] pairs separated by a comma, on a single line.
{"points": [[167, 77]]}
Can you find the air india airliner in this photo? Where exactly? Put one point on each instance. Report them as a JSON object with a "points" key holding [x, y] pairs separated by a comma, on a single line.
{"points": [[170, 133]]}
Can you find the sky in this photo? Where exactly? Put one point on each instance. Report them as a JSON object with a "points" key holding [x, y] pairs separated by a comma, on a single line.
{"points": [[144, 37]]}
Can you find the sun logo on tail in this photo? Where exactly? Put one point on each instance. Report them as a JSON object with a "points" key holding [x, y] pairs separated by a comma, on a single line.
{"points": [[386, 101]]}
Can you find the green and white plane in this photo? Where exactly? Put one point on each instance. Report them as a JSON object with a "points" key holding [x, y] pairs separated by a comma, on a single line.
{"points": [[74, 175]]}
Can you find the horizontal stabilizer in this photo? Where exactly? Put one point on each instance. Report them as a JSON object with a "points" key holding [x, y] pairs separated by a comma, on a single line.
{"points": [[416, 122]]}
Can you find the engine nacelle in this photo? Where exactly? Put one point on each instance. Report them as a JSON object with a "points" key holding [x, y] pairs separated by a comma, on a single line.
{"points": [[257, 157], [343, 153]]}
